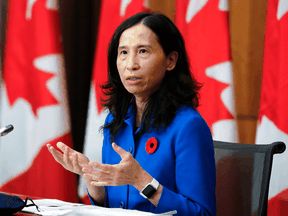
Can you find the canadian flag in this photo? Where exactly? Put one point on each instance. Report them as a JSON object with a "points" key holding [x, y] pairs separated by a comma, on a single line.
{"points": [[34, 100], [204, 25], [112, 14], [273, 113]]}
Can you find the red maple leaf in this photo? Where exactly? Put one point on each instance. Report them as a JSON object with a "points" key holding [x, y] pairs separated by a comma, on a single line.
{"points": [[207, 42], [27, 40]]}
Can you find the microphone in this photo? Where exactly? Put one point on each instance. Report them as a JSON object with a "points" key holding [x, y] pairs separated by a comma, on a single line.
{"points": [[5, 130]]}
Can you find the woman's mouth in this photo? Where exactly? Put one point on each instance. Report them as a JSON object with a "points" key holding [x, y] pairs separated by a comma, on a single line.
{"points": [[133, 80]]}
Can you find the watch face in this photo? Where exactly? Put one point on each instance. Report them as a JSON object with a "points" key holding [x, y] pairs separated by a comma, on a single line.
{"points": [[149, 191]]}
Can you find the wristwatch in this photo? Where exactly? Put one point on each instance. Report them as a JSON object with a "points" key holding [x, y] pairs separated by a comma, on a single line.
{"points": [[150, 189]]}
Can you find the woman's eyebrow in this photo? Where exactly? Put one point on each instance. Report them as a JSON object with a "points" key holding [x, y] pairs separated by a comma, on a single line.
{"points": [[144, 46], [121, 47], [139, 46]]}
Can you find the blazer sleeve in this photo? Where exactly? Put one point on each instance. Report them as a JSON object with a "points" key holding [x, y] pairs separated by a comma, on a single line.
{"points": [[194, 170]]}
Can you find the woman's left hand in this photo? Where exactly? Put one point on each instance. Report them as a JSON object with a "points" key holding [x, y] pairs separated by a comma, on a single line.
{"points": [[128, 171]]}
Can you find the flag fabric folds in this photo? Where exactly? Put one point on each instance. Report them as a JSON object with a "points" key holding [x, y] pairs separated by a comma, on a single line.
{"points": [[34, 100], [112, 13], [273, 115], [204, 25]]}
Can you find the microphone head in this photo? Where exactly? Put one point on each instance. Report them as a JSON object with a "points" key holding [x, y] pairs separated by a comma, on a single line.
{"points": [[5, 130]]}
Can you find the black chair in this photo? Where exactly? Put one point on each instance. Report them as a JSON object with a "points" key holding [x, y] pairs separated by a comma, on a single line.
{"points": [[242, 177]]}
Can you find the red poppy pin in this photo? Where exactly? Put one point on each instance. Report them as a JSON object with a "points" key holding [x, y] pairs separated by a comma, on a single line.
{"points": [[151, 145]]}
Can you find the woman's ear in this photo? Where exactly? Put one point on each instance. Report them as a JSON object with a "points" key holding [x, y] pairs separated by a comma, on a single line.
{"points": [[172, 60]]}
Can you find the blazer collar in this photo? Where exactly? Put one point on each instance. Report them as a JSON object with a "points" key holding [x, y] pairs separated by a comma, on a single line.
{"points": [[130, 116]]}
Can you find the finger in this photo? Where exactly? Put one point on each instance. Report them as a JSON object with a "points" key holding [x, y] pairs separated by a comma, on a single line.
{"points": [[50, 147], [66, 159], [62, 147], [90, 176], [101, 167], [53, 151], [58, 156], [96, 176], [75, 164], [87, 176], [98, 173], [119, 150]]}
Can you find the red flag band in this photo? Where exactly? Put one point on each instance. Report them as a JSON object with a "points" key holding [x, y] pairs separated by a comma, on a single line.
{"points": [[33, 99], [204, 25], [273, 115]]}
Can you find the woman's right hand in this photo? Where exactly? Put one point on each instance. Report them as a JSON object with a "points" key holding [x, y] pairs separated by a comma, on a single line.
{"points": [[70, 159], [75, 161]]}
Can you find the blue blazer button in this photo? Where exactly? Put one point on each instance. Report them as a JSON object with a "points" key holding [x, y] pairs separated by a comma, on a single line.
{"points": [[122, 204], [130, 149]]}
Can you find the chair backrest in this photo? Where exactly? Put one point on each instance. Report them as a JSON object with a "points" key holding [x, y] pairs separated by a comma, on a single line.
{"points": [[242, 177]]}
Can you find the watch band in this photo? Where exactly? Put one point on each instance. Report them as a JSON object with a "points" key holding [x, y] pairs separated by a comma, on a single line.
{"points": [[150, 189]]}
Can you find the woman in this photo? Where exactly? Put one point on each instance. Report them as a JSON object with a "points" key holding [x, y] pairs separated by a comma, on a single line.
{"points": [[157, 151]]}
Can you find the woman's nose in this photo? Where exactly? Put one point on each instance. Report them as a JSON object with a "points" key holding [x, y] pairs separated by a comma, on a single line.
{"points": [[132, 62]]}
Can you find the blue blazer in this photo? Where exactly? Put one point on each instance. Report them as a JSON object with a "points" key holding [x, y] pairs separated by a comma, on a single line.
{"points": [[183, 163]]}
